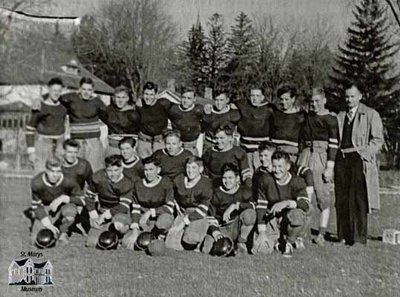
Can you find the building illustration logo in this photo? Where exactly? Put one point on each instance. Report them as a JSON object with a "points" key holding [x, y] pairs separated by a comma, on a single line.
{"points": [[26, 272]]}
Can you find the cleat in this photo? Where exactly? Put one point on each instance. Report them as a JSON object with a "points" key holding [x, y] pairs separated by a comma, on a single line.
{"points": [[319, 240], [241, 248], [299, 243], [63, 239]]}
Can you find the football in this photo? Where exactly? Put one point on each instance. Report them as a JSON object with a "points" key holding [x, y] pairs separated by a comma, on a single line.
{"points": [[45, 239]]}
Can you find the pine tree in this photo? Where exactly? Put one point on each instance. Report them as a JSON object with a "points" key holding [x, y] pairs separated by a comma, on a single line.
{"points": [[196, 57], [367, 57], [244, 52], [217, 51]]}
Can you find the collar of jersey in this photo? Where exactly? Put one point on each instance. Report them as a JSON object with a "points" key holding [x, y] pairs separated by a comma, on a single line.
{"points": [[228, 108], [185, 110], [152, 184], [214, 149], [66, 165], [166, 153], [233, 191], [130, 164], [193, 183], [286, 182], [47, 183], [48, 99]]}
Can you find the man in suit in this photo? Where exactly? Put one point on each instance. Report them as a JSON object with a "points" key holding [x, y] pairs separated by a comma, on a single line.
{"points": [[356, 173]]}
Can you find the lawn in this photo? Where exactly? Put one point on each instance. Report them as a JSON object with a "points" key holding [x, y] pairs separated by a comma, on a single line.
{"points": [[329, 271]]}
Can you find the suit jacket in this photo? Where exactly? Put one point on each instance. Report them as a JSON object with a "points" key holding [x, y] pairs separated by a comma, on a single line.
{"points": [[367, 138]]}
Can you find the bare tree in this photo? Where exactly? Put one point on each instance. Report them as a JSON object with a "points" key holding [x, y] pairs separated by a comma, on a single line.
{"points": [[129, 42]]}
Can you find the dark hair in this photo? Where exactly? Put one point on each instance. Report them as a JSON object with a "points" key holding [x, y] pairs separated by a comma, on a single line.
{"points": [[86, 80], [318, 91], [267, 146], [55, 81], [124, 89], [172, 132], [224, 92], [230, 167], [150, 160], [351, 83], [194, 159], [150, 86], [70, 142], [287, 89], [225, 127], [186, 89], [53, 161], [129, 140], [277, 155], [113, 160]]}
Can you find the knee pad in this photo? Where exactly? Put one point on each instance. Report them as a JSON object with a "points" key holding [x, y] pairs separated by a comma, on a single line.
{"points": [[123, 218], [248, 217], [164, 221], [69, 210], [195, 232], [296, 217]]}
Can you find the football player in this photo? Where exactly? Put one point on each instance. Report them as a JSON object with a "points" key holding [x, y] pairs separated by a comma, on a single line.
{"points": [[225, 152], [48, 123], [193, 193], [50, 189], [319, 144], [283, 204], [173, 157], [133, 167], [152, 203], [233, 207], [187, 118]]}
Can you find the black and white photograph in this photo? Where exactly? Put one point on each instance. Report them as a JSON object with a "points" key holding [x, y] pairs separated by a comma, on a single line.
{"points": [[200, 148]]}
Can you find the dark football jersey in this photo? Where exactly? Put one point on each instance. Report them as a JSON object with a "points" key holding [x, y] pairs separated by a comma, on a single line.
{"points": [[120, 121], [115, 197], [43, 192], [222, 200], [154, 119], [254, 120], [216, 119], [49, 120], [133, 170], [188, 122], [83, 115], [214, 160], [159, 196], [285, 128], [321, 127], [197, 197], [270, 191], [172, 166], [81, 171]]}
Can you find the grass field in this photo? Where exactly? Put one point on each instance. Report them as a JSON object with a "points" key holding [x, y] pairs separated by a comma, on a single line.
{"points": [[329, 271]]}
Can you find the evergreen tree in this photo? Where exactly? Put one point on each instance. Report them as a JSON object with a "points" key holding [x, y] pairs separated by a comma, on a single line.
{"points": [[196, 57], [367, 57], [239, 73], [217, 51]]}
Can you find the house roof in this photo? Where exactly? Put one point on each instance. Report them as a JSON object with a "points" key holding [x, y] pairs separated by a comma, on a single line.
{"points": [[174, 97], [15, 106], [49, 56], [40, 265], [21, 262]]}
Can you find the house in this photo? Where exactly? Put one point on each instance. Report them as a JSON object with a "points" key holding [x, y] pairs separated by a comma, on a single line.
{"points": [[27, 272]]}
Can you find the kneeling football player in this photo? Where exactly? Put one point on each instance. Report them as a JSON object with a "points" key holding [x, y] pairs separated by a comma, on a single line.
{"points": [[193, 193], [283, 204], [152, 204], [109, 194], [233, 206], [48, 188]]}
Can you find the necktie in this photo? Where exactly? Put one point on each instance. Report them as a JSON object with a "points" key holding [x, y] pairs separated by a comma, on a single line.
{"points": [[350, 115]]}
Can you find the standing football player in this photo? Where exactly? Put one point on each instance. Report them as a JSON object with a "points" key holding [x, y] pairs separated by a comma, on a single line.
{"points": [[319, 144], [121, 119], [83, 110], [48, 123]]}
